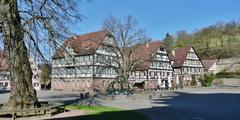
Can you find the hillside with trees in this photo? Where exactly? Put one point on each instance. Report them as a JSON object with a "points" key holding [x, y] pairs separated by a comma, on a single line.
{"points": [[218, 41]]}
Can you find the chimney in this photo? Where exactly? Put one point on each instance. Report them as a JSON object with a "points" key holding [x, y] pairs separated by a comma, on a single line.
{"points": [[74, 37], [147, 45], [173, 52]]}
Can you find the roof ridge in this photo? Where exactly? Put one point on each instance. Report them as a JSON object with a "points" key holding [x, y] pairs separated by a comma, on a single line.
{"points": [[79, 43]]}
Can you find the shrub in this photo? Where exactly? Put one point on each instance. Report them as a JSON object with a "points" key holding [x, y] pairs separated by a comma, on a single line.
{"points": [[207, 79], [193, 82]]}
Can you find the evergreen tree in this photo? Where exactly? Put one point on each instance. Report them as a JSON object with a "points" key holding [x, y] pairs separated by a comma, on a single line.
{"points": [[168, 42]]}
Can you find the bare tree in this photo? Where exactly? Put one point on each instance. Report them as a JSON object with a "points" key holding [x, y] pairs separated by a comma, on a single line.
{"points": [[128, 37], [28, 26]]}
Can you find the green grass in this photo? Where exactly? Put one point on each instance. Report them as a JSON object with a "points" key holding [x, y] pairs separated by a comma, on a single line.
{"points": [[93, 109], [107, 113]]}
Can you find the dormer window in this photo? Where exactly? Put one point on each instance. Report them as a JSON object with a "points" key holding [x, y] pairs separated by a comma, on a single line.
{"points": [[161, 49], [87, 48], [69, 52], [151, 63]]}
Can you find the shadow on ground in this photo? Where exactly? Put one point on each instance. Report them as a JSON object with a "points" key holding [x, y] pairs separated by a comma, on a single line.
{"points": [[2, 91], [60, 96], [120, 115], [183, 106]]}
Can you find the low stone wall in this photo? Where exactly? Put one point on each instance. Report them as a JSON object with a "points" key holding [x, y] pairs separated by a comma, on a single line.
{"points": [[230, 65], [101, 84], [151, 85], [80, 84], [228, 81]]}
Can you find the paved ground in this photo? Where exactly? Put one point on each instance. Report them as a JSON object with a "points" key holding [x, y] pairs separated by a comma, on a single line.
{"points": [[59, 96], [198, 104], [60, 116], [187, 104]]}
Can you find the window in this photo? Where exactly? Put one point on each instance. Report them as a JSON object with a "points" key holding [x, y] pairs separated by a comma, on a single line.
{"points": [[168, 73], [36, 84], [155, 73], [82, 59], [91, 58], [87, 59], [151, 63], [152, 73], [161, 49], [56, 61], [137, 73], [185, 69], [113, 72]]}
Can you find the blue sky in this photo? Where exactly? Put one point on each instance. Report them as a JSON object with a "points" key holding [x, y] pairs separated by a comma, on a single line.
{"points": [[160, 16]]}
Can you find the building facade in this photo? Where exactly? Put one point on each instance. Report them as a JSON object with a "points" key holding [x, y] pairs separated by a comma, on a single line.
{"points": [[5, 81], [4, 73], [84, 63], [186, 65], [155, 71], [210, 66], [36, 75]]}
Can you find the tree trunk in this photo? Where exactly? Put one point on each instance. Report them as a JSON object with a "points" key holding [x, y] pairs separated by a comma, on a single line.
{"points": [[23, 95]]}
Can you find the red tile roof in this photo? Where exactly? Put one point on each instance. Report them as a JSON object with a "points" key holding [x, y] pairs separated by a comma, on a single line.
{"points": [[144, 52], [208, 64], [82, 44], [179, 56]]}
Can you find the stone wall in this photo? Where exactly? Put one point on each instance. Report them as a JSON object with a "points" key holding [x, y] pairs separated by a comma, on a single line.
{"points": [[80, 84], [101, 84], [228, 81], [230, 65], [151, 85]]}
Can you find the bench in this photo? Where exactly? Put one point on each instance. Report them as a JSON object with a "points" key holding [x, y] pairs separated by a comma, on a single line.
{"points": [[51, 108]]}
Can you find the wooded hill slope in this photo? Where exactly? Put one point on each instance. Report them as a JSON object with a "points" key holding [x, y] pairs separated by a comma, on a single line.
{"points": [[218, 41]]}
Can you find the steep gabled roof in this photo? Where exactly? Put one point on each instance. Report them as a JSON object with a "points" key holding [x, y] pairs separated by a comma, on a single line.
{"points": [[82, 44], [179, 55], [208, 64], [143, 53]]}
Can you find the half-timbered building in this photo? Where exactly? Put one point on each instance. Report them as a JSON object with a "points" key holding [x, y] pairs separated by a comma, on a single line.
{"points": [[84, 62], [5, 81], [186, 65], [155, 71], [4, 72], [210, 66]]}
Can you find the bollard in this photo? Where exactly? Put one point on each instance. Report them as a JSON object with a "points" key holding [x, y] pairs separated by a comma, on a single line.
{"points": [[160, 95], [150, 97], [113, 97]]}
